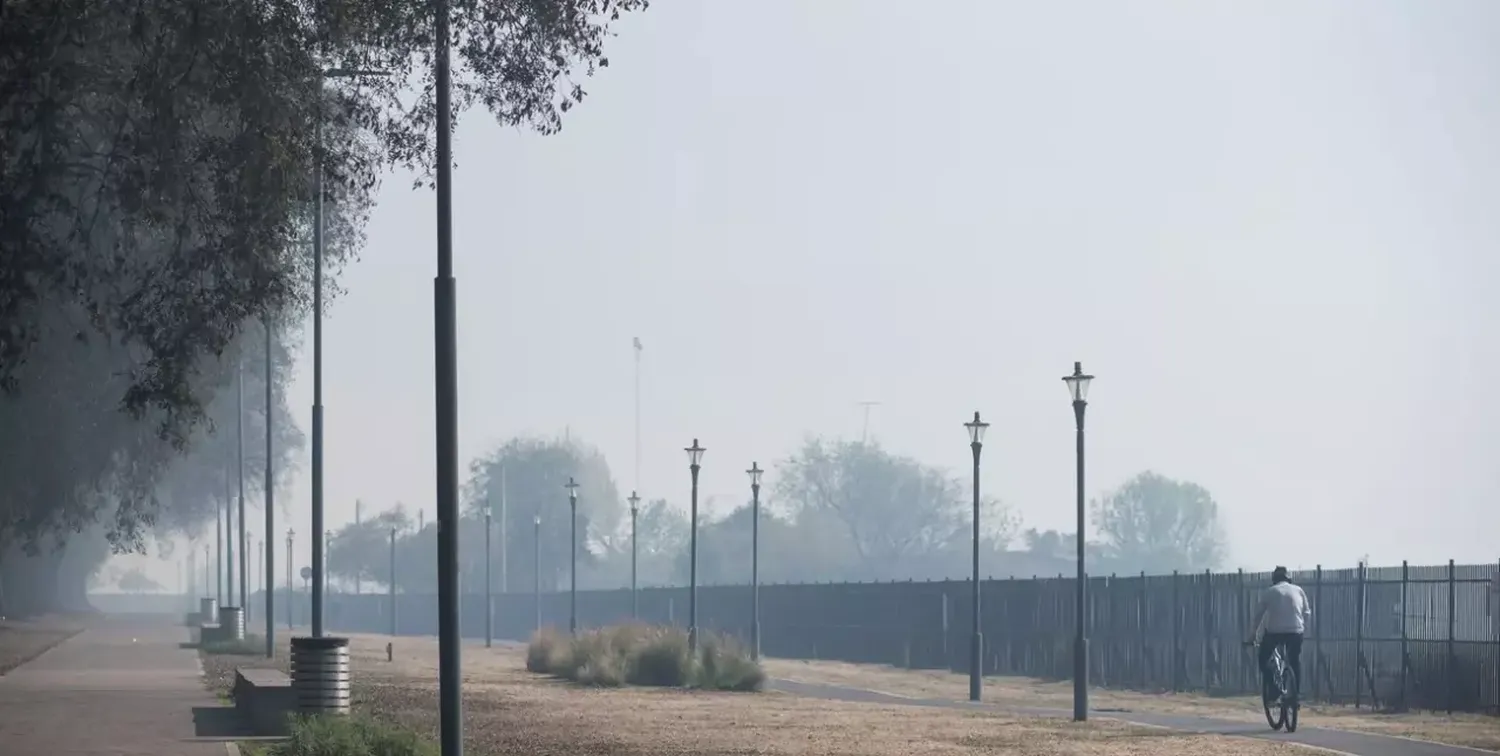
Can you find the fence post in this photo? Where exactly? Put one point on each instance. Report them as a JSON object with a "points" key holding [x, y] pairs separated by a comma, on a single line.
{"points": [[1404, 578], [1208, 628], [1359, 635], [1143, 620], [1452, 610], [1317, 630], [1239, 618], [1176, 618]]}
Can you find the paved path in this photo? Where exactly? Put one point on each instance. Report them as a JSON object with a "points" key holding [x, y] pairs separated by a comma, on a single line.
{"points": [[124, 687], [1357, 743]]}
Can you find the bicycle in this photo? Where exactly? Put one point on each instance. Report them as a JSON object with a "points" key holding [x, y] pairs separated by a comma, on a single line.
{"points": [[1280, 698]]}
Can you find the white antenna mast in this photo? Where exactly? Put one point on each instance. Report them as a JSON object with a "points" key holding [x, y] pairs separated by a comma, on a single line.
{"points": [[864, 435]]}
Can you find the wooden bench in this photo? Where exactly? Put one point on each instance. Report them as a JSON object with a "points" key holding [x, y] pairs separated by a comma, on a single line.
{"points": [[264, 698]]}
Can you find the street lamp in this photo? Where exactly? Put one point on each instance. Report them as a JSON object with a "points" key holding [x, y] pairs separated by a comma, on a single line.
{"points": [[695, 456], [1078, 387], [572, 487], [393, 582], [270, 498], [536, 568], [239, 436], [291, 590], [754, 472], [489, 572], [635, 509], [320, 583], [976, 428]]}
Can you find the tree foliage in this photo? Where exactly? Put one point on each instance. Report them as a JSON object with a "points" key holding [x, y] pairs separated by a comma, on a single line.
{"points": [[156, 200], [1155, 524]]}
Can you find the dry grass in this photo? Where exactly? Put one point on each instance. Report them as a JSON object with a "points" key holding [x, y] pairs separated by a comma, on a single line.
{"points": [[511, 711], [25, 639], [1473, 730]]}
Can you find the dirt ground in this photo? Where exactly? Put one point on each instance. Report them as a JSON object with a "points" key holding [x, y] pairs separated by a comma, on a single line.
{"points": [[1473, 730], [510, 711], [24, 640]]}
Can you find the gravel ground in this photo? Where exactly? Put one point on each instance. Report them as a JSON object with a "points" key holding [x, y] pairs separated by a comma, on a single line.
{"points": [[509, 711], [24, 640], [1471, 730]]}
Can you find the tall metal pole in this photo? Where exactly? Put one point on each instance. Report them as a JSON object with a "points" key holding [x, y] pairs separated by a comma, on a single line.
{"points": [[393, 581], [359, 509], [1078, 384], [976, 648], [635, 507], [239, 390], [229, 538], [219, 511], [755, 473], [270, 573], [291, 589], [450, 670], [208, 567], [536, 570], [317, 408], [695, 453], [504, 536], [572, 487], [489, 572]]}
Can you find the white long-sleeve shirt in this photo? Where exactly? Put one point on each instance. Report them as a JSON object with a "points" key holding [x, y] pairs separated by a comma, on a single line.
{"points": [[1283, 608]]}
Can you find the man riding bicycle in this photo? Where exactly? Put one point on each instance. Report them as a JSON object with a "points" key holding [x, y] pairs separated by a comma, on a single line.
{"points": [[1285, 613]]}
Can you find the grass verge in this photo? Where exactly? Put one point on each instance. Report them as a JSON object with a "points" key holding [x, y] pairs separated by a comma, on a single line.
{"points": [[353, 735], [644, 655], [250, 645]]}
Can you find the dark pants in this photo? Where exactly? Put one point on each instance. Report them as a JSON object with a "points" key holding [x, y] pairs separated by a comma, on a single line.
{"points": [[1293, 644]]}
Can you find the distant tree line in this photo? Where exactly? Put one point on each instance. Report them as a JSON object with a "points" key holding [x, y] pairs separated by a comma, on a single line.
{"points": [[835, 511]]}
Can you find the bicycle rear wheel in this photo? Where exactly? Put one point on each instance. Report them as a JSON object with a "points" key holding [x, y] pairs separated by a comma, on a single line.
{"points": [[1293, 705]]}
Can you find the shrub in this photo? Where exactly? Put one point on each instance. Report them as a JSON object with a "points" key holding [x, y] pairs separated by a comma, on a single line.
{"points": [[644, 655], [351, 735], [546, 651]]}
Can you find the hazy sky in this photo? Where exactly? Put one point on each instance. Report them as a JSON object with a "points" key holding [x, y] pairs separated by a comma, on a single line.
{"points": [[1263, 226]]}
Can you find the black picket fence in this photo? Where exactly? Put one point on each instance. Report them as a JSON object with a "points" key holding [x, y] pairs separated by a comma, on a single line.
{"points": [[1385, 638]]}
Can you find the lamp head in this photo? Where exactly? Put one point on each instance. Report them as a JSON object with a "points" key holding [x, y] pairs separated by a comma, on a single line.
{"points": [[695, 453], [635, 502], [755, 472], [1078, 383], [976, 428]]}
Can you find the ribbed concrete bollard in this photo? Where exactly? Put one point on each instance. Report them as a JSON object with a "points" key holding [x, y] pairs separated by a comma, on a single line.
{"points": [[231, 623], [320, 675], [208, 611]]}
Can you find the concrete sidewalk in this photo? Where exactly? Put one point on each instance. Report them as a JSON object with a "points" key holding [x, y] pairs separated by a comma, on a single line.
{"points": [[123, 687], [1339, 741]]}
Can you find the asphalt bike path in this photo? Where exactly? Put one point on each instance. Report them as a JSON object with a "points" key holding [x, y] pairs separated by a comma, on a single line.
{"points": [[123, 687], [1345, 741]]}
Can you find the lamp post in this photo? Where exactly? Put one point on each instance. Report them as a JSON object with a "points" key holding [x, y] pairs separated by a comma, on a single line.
{"points": [[291, 589], [489, 571], [695, 456], [536, 568], [270, 499], [635, 510], [393, 582], [572, 487], [1078, 387], [319, 582], [327, 575], [976, 428], [754, 472], [239, 439]]}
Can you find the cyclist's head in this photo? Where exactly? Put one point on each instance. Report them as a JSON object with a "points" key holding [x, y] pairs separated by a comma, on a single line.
{"points": [[1279, 575]]}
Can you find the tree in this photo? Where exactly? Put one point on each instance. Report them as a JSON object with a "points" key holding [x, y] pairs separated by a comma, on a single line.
{"points": [[361, 551], [1157, 524], [154, 204], [893, 510], [135, 581]]}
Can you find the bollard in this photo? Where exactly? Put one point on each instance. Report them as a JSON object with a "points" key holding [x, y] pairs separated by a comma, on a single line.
{"points": [[390, 652], [208, 611], [231, 623], [320, 675]]}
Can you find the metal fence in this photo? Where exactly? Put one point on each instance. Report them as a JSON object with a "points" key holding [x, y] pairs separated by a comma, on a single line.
{"points": [[1391, 637]]}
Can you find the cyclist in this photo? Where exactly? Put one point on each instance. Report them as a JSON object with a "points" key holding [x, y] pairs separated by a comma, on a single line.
{"points": [[1285, 612]]}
